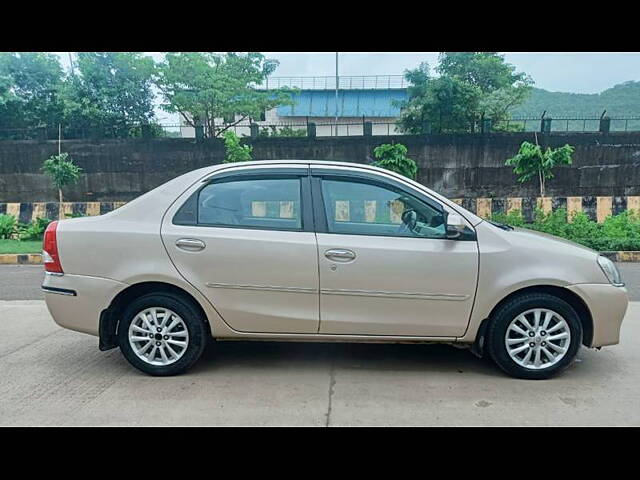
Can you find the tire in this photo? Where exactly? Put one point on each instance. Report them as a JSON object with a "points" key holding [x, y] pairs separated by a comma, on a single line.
{"points": [[506, 326], [190, 328]]}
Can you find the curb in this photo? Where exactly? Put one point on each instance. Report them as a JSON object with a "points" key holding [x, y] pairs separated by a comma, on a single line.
{"points": [[21, 259], [36, 258], [623, 256]]}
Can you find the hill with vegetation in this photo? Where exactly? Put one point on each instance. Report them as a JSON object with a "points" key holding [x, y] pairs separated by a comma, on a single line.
{"points": [[622, 100]]}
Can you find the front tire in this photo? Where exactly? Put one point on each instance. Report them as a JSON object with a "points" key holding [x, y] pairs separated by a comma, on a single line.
{"points": [[161, 334], [534, 336]]}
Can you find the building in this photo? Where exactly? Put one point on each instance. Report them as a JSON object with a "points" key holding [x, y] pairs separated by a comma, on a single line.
{"points": [[360, 99]]}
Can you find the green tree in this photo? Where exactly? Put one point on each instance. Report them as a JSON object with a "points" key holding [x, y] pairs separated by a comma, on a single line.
{"points": [[470, 86], [62, 171], [486, 70], [205, 87], [502, 87], [531, 161], [447, 104], [30, 86], [393, 157], [111, 89], [6, 94], [234, 151]]}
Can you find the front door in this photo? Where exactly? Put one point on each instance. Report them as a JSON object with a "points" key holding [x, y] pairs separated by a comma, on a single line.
{"points": [[246, 242], [386, 266]]}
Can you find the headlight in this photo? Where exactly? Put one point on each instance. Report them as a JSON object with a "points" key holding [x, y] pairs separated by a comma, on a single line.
{"points": [[611, 271]]}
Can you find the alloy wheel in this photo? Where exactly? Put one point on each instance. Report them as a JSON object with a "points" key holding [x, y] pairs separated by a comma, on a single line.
{"points": [[538, 338]]}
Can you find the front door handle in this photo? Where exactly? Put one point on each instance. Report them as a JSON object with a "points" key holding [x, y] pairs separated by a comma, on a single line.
{"points": [[190, 244], [340, 255]]}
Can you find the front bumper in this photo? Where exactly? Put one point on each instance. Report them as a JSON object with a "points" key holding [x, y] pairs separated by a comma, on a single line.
{"points": [[608, 305], [76, 301]]}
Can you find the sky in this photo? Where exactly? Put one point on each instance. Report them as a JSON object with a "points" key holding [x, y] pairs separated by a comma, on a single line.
{"points": [[556, 72]]}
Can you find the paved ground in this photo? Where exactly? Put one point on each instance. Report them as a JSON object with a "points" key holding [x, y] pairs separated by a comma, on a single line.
{"points": [[52, 376]]}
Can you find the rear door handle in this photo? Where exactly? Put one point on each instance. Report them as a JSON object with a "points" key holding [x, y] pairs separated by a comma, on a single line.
{"points": [[340, 255], [190, 244]]}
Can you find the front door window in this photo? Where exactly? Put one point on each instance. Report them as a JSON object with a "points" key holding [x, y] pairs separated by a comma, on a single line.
{"points": [[361, 208]]}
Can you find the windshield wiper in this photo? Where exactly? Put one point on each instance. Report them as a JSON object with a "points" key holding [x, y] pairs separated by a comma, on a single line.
{"points": [[503, 226]]}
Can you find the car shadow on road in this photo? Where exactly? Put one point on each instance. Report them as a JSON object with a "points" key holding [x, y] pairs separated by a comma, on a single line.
{"points": [[428, 358]]}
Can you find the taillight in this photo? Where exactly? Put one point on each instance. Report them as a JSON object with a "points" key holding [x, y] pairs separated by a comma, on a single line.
{"points": [[50, 255]]}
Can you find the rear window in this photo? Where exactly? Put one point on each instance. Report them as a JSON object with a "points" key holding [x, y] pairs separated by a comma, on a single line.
{"points": [[270, 203]]}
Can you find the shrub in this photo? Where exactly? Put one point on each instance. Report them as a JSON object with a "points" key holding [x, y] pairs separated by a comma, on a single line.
{"points": [[273, 131], [617, 232], [234, 152], [623, 230], [513, 218], [531, 162], [394, 157], [62, 171], [33, 230], [8, 226]]}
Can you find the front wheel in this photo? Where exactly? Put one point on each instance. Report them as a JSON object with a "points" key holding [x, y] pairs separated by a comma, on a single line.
{"points": [[534, 336], [161, 334]]}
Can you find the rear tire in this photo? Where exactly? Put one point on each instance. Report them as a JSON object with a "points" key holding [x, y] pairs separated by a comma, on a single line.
{"points": [[534, 336], [161, 334]]}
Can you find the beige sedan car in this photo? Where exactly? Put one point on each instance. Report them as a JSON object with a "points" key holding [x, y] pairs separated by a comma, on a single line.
{"points": [[323, 251]]}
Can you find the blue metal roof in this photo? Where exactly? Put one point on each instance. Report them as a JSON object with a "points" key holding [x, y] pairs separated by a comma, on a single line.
{"points": [[351, 103]]}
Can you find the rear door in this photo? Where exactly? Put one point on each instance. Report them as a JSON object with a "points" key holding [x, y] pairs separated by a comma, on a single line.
{"points": [[245, 240]]}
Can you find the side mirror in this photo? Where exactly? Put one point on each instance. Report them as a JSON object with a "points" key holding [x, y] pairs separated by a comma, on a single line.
{"points": [[455, 226]]}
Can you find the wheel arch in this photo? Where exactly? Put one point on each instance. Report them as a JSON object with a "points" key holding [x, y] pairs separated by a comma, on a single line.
{"points": [[573, 299], [110, 317]]}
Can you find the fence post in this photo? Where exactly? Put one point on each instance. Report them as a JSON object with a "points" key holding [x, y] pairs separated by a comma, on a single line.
{"points": [[605, 124], [199, 132], [311, 130], [254, 130], [367, 129], [545, 125], [486, 125], [146, 130]]}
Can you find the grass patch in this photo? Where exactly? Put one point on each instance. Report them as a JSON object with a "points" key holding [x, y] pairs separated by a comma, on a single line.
{"points": [[18, 246]]}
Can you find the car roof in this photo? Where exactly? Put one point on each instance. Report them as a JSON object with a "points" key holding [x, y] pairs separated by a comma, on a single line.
{"points": [[289, 161]]}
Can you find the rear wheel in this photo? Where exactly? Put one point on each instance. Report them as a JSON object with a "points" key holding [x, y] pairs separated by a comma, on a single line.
{"points": [[534, 336], [162, 334]]}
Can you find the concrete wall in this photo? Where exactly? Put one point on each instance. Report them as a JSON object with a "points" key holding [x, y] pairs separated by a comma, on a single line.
{"points": [[458, 166], [596, 208]]}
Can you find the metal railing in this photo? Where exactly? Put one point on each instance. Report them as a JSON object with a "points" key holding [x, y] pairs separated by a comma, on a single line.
{"points": [[348, 82], [47, 132], [572, 124], [328, 127]]}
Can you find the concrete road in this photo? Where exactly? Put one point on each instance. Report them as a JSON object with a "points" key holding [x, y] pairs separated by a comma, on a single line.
{"points": [[51, 376]]}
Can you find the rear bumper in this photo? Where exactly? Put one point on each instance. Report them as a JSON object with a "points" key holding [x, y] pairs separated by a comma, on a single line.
{"points": [[76, 301], [608, 305]]}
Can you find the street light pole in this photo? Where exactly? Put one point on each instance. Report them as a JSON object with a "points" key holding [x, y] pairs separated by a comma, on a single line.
{"points": [[337, 80], [73, 73]]}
